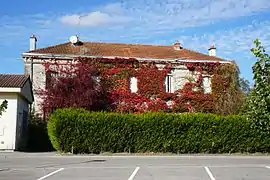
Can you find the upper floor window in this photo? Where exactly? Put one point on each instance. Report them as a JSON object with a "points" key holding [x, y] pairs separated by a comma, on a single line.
{"points": [[49, 78], [168, 83], [133, 84]]}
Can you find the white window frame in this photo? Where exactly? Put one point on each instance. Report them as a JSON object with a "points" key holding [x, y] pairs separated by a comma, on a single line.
{"points": [[207, 84]]}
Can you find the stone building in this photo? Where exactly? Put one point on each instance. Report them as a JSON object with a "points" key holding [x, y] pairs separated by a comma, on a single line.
{"points": [[174, 53]]}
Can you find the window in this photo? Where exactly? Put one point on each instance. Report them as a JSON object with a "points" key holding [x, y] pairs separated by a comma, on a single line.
{"points": [[207, 84], [133, 84], [50, 76], [168, 83]]}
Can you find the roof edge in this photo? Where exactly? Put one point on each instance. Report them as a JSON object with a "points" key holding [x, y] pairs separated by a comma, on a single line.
{"points": [[70, 56], [117, 43], [10, 89], [18, 90]]}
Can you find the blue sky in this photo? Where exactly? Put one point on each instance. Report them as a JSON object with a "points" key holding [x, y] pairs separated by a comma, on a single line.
{"points": [[231, 25]]}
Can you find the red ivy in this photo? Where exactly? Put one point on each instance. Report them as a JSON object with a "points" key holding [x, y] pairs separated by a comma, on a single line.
{"points": [[74, 86], [113, 88]]}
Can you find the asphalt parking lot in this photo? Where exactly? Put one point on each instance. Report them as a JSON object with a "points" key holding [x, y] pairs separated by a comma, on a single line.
{"points": [[39, 166]]}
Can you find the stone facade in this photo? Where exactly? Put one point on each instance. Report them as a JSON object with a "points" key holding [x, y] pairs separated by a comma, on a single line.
{"points": [[179, 76], [37, 74], [159, 54]]}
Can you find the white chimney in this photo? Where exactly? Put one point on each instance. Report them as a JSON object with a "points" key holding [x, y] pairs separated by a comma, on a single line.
{"points": [[212, 50], [177, 45], [33, 42]]}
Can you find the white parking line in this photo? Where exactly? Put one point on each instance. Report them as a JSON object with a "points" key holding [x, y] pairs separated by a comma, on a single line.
{"points": [[134, 173], [268, 167], [52, 173], [209, 173]]}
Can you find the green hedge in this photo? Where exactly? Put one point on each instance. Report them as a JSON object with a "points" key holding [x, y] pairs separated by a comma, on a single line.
{"points": [[96, 132]]}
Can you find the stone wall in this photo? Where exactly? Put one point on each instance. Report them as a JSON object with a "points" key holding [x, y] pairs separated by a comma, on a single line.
{"points": [[38, 80], [180, 75]]}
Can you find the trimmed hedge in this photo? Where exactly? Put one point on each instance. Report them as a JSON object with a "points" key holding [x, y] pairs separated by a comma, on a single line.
{"points": [[81, 131]]}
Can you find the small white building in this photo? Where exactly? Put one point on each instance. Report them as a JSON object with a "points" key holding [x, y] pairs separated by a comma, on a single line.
{"points": [[17, 90]]}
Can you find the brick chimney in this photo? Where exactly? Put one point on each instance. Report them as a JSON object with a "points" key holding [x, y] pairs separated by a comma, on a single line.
{"points": [[212, 50], [177, 45], [33, 43]]}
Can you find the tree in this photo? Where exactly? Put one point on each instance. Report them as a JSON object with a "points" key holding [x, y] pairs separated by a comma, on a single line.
{"points": [[245, 85], [72, 85], [3, 107], [259, 100], [228, 96]]}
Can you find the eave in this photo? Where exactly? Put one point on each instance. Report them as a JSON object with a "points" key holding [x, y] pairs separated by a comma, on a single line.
{"points": [[72, 57]]}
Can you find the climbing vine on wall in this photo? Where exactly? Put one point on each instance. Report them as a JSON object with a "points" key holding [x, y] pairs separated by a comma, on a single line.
{"points": [[227, 95], [114, 82]]}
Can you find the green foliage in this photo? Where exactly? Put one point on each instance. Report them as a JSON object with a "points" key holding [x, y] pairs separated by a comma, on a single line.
{"points": [[244, 100], [259, 101], [62, 123], [80, 131], [228, 96], [3, 107]]}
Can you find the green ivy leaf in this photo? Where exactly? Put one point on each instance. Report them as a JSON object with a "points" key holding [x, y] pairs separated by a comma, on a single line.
{"points": [[3, 107]]}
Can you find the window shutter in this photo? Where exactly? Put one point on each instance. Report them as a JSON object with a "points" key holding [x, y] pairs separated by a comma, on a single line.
{"points": [[207, 84], [133, 84], [168, 84]]}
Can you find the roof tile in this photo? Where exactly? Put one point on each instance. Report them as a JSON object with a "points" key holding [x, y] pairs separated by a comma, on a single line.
{"points": [[125, 50], [12, 80]]}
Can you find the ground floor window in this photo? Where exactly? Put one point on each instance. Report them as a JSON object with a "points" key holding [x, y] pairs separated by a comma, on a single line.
{"points": [[207, 84]]}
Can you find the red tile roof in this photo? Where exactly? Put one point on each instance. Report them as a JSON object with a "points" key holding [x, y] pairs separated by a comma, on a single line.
{"points": [[12, 80], [125, 50]]}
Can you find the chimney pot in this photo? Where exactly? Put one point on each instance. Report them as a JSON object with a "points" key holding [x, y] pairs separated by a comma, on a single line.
{"points": [[177, 45], [33, 43], [212, 50]]}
